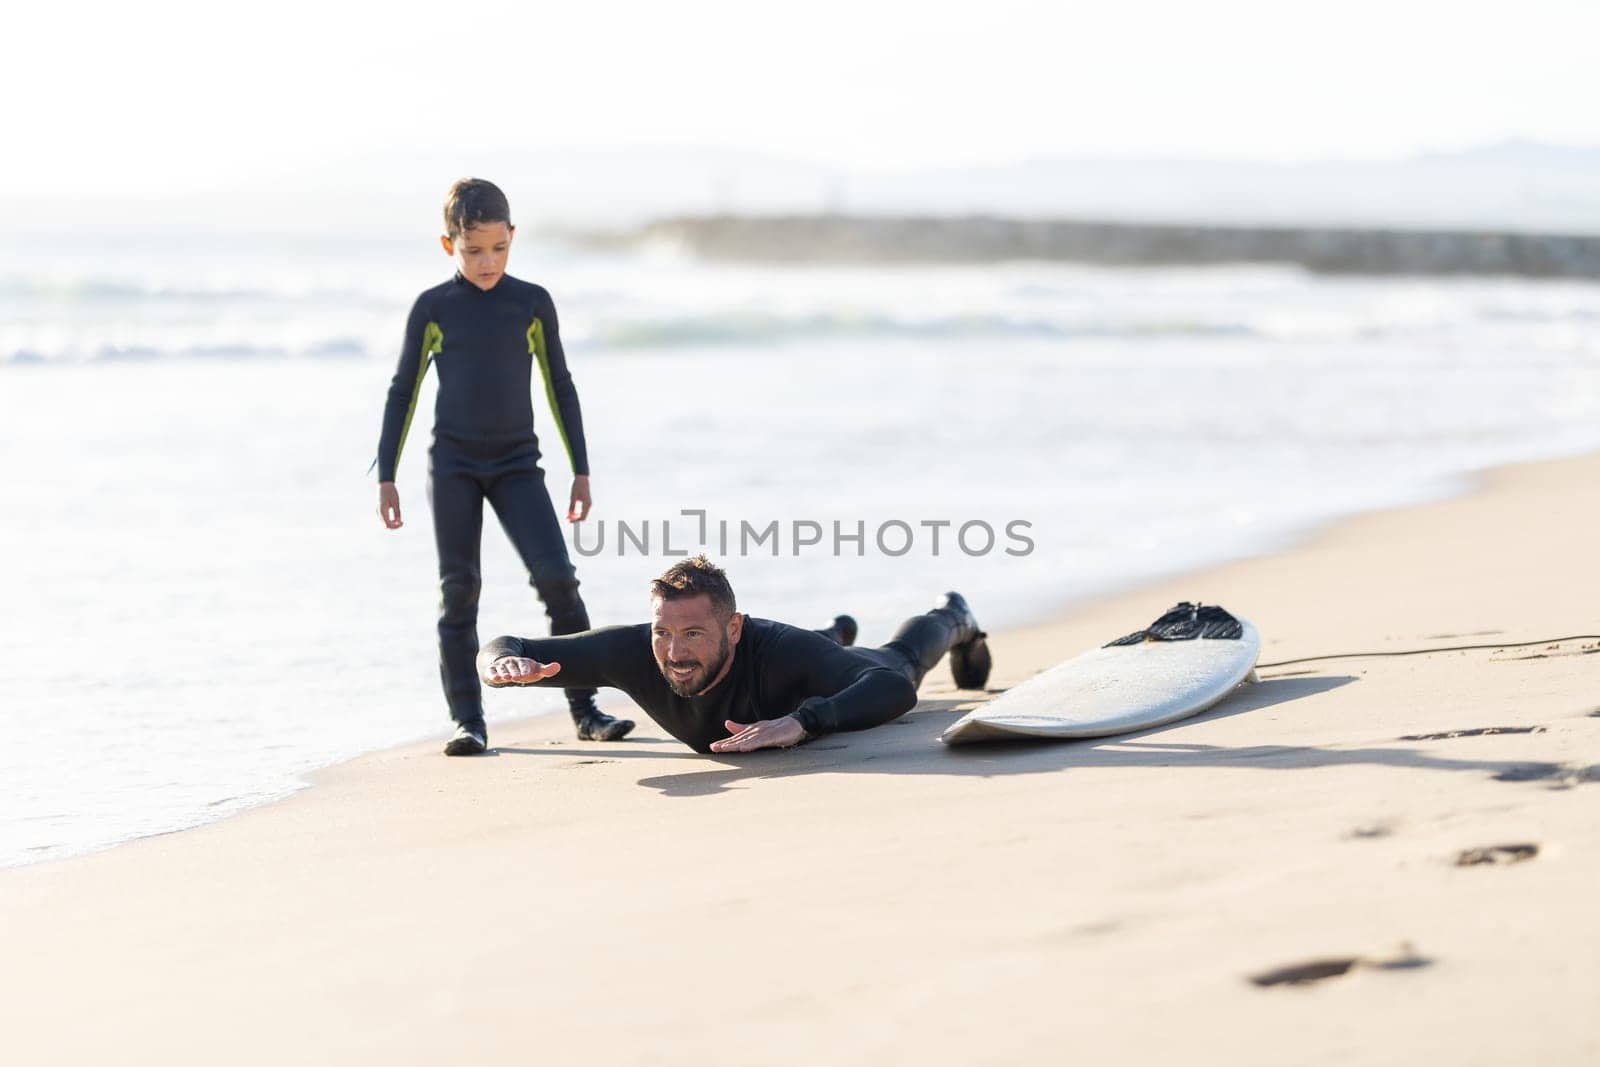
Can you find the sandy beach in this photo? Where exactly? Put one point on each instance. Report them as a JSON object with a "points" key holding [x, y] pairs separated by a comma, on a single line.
{"points": [[879, 898]]}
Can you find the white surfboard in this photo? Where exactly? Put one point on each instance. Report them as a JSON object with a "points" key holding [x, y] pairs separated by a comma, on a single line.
{"points": [[1121, 687]]}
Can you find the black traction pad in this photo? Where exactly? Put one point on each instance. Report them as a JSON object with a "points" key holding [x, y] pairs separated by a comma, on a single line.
{"points": [[1185, 623]]}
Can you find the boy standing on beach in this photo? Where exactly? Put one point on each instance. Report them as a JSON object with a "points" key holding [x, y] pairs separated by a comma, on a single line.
{"points": [[486, 330]]}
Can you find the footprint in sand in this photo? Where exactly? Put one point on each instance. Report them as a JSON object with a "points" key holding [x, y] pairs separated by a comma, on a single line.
{"points": [[1572, 776], [1516, 853], [589, 762], [1310, 971], [1481, 731], [1565, 776], [1306, 973]]}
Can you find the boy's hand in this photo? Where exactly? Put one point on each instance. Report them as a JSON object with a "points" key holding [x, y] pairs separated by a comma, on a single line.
{"points": [[768, 733], [578, 506], [389, 505], [518, 670]]}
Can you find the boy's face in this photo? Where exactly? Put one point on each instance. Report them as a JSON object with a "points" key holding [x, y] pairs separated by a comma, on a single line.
{"points": [[481, 252]]}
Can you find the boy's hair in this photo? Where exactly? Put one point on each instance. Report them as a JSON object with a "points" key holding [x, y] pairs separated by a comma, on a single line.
{"points": [[473, 202], [695, 577]]}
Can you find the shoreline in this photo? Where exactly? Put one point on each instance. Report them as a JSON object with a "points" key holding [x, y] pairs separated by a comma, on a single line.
{"points": [[414, 909], [1457, 485]]}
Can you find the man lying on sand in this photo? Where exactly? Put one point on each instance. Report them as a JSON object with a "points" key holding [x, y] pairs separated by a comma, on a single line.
{"points": [[720, 681]]}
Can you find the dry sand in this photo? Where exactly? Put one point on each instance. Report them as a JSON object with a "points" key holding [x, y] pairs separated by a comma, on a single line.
{"points": [[877, 898]]}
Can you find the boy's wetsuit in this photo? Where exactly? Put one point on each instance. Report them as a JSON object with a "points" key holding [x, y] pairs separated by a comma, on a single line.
{"points": [[777, 670], [486, 344]]}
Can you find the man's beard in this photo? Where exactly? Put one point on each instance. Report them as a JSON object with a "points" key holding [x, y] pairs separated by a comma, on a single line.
{"points": [[701, 677]]}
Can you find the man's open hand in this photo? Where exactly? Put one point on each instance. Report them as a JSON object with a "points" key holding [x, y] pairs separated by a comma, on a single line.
{"points": [[518, 670], [768, 733]]}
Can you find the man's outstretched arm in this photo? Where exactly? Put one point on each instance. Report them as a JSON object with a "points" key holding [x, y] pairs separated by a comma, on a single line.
{"points": [[843, 694], [878, 696], [875, 698], [608, 656]]}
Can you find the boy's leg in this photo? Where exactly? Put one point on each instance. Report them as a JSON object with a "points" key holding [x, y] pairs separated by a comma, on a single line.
{"points": [[456, 496], [523, 504]]}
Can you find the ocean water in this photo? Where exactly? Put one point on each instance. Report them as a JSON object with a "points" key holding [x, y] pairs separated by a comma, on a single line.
{"points": [[203, 605]]}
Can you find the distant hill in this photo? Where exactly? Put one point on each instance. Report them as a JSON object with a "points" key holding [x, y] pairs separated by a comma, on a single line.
{"points": [[984, 238]]}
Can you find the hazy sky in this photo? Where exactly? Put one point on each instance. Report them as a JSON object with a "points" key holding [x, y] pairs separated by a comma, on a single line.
{"points": [[176, 94]]}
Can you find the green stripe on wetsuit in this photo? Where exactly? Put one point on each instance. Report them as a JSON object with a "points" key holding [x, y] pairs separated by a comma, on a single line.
{"points": [[537, 350], [432, 342]]}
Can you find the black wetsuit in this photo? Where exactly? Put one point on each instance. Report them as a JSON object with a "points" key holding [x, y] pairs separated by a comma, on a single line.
{"points": [[485, 344], [777, 670]]}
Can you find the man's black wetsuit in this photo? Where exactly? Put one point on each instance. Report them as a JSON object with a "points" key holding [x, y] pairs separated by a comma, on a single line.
{"points": [[486, 343], [777, 670]]}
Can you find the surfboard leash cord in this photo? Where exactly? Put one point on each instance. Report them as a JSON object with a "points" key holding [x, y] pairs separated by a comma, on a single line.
{"points": [[1427, 651]]}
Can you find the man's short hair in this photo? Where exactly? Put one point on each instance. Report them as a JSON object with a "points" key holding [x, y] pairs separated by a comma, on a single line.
{"points": [[696, 576], [473, 202]]}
